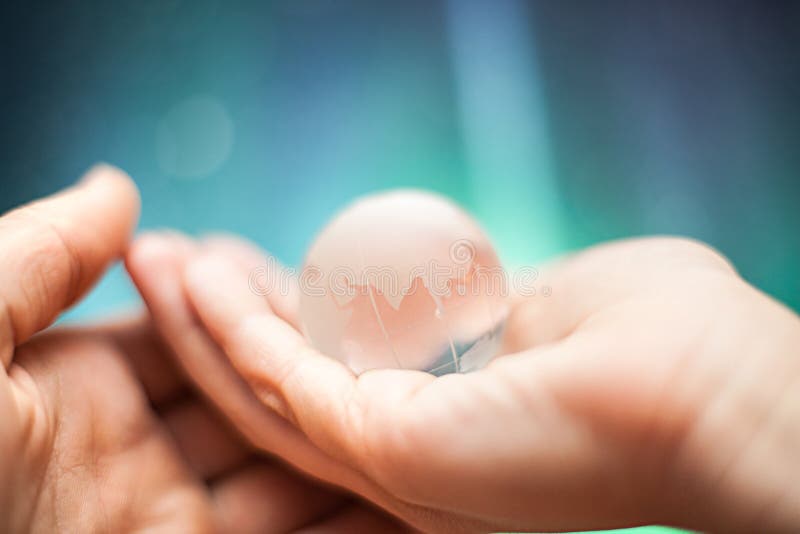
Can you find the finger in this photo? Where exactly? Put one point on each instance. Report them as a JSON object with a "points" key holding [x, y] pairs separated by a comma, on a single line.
{"points": [[319, 394], [413, 433], [266, 275], [266, 497], [206, 443], [156, 263], [53, 250], [218, 289]]}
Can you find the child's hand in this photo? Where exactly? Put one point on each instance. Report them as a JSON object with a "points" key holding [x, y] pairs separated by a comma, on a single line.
{"points": [[653, 386]]}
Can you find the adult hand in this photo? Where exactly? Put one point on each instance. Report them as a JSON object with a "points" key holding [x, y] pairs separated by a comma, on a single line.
{"points": [[653, 386], [98, 431]]}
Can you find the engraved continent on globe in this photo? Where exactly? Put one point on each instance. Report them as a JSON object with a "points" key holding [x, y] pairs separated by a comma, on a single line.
{"points": [[404, 279]]}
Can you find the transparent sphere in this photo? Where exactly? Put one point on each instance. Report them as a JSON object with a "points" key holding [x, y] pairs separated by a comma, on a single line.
{"points": [[404, 279]]}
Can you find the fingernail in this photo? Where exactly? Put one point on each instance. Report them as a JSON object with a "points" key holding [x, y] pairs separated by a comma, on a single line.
{"points": [[97, 172]]}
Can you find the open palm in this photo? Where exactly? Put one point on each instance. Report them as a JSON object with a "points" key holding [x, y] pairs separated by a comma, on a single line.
{"points": [[632, 395], [654, 385]]}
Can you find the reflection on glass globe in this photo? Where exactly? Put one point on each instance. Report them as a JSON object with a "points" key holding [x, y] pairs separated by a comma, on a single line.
{"points": [[404, 279]]}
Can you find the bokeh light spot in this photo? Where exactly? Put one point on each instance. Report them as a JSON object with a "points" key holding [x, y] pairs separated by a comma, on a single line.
{"points": [[194, 138]]}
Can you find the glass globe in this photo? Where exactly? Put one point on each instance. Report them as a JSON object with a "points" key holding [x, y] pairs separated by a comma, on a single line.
{"points": [[404, 279]]}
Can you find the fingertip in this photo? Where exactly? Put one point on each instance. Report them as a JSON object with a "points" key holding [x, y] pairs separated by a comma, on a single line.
{"points": [[113, 182], [228, 241], [245, 253], [57, 247], [260, 268], [158, 245], [156, 257], [103, 171], [208, 267], [220, 294], [147, 250]]}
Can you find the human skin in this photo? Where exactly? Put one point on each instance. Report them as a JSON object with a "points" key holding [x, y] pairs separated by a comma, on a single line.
{"points": [[99, 431], [653, 386]]}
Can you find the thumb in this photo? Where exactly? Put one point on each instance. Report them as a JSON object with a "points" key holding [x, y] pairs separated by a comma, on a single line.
{"points": [[53, 250]]}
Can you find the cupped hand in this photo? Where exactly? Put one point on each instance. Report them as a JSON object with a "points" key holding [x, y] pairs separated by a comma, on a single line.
{"points": [[653, 386], [98, 430]]}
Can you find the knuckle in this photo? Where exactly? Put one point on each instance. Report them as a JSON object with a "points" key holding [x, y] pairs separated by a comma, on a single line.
{"points": [[52, 266], [46, 269]]}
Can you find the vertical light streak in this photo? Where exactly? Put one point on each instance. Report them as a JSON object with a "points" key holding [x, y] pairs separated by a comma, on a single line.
{"points": [[504, 127]]}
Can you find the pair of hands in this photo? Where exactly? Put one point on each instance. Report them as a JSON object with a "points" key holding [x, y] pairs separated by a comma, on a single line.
{"points": [[654, 385]]}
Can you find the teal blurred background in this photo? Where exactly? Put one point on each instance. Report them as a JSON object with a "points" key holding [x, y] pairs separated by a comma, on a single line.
{"points": [[559, 124]]}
